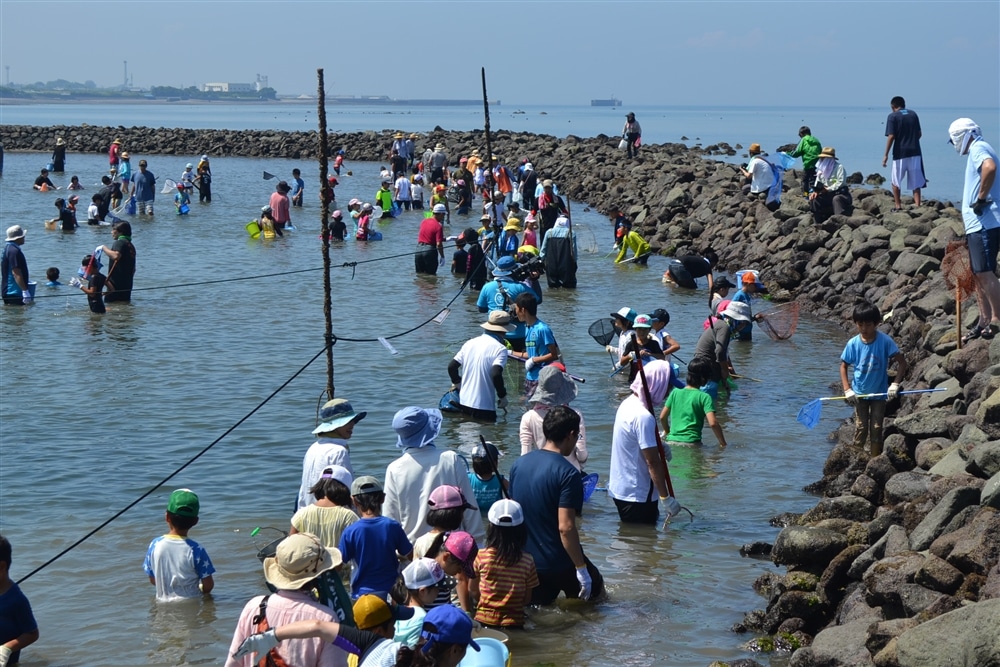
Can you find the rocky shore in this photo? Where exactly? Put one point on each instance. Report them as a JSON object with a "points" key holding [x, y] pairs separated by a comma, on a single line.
{"points": [[897, 564]]}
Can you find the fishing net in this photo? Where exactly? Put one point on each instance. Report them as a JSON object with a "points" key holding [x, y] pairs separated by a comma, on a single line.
{"points": [[603, 331], [779, 323], [957, 272], [585, 238]]}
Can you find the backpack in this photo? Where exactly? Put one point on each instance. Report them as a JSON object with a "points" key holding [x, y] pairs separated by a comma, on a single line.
{"points": [[271, 658]]}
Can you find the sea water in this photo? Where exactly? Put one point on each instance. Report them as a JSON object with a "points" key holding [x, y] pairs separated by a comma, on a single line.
{"points": [[95, 410], [857, 133]]}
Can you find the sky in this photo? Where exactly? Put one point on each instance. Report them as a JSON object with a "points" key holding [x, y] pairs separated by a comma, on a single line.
{"points": [[744, 53]]}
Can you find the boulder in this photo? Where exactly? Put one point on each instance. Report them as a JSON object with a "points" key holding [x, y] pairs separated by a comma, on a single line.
{"points": [[881, 633], [854, 607], [938, 575], [867, 558], [802, 545], [953, 463], [924, 424], [835, 579], [984, 459], [915, 598], [989, 495], [965, 637], [977, 545], [836, 646], [885, 579], [934, 523], [990, 590], [853, 508], [931, 450], [907, 486]]}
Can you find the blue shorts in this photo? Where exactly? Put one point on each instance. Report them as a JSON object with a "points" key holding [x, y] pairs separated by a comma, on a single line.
{"points": [[983, 247]]}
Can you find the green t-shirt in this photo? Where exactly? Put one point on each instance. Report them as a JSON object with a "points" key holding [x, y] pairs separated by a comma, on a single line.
{"points": [[687, 409], [808, 149]]}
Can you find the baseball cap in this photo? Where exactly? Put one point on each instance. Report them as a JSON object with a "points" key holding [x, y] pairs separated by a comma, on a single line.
{"points": [[423, 573], [371, 611], [626, 314], [183, 502], [661, 315], [447, 497], [463, 548], [440, 208], [447, 624], [506, 512], [643, 322], [365, 484]]}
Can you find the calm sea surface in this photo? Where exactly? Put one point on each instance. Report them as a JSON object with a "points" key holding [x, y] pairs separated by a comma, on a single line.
{"points": [[97, 409], [858, 133]]}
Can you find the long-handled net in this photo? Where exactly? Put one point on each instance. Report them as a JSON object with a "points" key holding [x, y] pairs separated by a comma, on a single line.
{"points": [[809, 413], [779, 322], [603, 331], [958, 276]]}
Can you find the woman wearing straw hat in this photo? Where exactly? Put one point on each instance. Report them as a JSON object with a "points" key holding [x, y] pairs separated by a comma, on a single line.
{"points": [[298, 562], [830, 195], [59, 156]]}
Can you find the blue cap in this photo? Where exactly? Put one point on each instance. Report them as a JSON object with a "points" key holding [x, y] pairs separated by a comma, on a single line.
{"points": [[449, 625]]}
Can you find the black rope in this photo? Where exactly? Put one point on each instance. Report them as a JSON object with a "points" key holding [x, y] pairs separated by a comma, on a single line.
{"points": [[173, 474]]}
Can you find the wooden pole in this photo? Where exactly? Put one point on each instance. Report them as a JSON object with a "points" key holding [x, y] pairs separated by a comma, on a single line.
{"points": [[489, 162], [325, 224]]}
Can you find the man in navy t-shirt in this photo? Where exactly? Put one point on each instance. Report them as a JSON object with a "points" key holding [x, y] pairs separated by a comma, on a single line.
{"points": [[550, 491], [902, 128]]}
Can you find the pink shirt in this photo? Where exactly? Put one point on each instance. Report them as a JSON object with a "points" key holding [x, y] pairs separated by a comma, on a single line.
{"points": [[286, 607], [279, 207], [431, 232]]}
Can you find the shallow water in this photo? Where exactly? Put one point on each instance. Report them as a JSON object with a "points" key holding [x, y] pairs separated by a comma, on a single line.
{"points": [[95, 410]]}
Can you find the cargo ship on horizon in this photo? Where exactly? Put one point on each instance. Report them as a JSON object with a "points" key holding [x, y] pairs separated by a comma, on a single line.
{"points": [[610, 102]]}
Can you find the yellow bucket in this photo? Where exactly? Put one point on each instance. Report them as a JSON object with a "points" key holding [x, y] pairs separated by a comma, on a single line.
{"points": [[253, 229]]}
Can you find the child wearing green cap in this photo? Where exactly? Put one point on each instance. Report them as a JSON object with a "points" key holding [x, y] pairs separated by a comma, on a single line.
{"points": [[179, 567]]}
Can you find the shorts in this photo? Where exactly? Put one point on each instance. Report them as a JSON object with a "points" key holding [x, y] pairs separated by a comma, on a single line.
{"points": [[637, 512], [550, 584], [983, 247], [145, 207], [681, 275], [912, 168]]}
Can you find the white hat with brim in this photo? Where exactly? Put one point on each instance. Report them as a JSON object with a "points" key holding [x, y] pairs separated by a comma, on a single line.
{"points": [[416, 427], [498, 321], [337, 413], [15, 233], [297, 560], [737, 310]]}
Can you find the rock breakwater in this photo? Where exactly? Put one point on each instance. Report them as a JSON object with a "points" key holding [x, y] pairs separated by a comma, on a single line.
{"points": [[897, 564]]}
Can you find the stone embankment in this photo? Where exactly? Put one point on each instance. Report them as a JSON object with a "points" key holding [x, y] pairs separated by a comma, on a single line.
{"points": [[897, 564]]}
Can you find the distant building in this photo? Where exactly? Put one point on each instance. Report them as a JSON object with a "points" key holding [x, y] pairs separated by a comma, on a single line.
{"points": [[254, 87]]}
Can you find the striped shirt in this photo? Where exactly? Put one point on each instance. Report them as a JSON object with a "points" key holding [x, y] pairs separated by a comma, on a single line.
{"points": [[504, 591]]}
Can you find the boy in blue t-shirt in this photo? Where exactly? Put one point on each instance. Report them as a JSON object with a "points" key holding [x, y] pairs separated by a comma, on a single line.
{"points": [[17, 624], [870, 352], [375, 543], [179, 567], [298, 188]]}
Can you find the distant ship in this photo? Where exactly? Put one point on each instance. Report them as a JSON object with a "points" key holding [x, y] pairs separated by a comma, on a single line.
{"points": [[612, 102], [380, 100]]}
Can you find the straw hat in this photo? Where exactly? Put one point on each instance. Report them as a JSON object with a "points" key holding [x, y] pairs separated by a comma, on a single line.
{"points": [[829, 151], [60, 142], [299, 559]]}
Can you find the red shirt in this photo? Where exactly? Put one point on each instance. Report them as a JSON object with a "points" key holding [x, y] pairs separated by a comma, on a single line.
{"points": [[431, 232], [279, 207]]}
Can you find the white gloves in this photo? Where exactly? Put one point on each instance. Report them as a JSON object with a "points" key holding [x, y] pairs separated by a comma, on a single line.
{"points": [[672, 507], [26, 297], [893, 391], [586, 582], [259, 643], [502, 403], [849, 396], [529, 363], [98, 251], [75, 282], [611, 348], [4, 655]]}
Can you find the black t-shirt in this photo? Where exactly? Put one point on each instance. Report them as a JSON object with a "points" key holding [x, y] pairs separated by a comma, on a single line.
{"points": [[44, 180], [122, 270], [338, 230], [96, 300], [67, 220], [696, 265], [398, 163], [904, 126]]}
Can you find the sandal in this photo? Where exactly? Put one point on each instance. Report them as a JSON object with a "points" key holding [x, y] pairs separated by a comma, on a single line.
{"points": [[975, 333]]}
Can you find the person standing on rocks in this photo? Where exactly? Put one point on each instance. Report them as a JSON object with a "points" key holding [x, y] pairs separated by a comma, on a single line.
{"points": [[758, 171], [902, 128], [830, 194], [808, 149], [632, 132], [981, 216], [871, 353]]}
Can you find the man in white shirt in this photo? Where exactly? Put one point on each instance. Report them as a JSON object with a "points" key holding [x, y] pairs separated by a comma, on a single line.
{"points": [[758, 170], [402, 192], [481, 390], [338, 420]]}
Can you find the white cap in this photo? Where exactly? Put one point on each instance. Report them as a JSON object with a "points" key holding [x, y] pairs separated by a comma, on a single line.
{"points": [[506, 512], [422, 573], [440, 208]]}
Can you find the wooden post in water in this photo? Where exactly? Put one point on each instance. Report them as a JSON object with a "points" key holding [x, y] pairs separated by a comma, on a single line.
{"points": [[325, 223]]}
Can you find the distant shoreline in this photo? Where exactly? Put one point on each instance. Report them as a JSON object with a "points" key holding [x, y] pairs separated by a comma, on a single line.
{"points": [[330, 102]]}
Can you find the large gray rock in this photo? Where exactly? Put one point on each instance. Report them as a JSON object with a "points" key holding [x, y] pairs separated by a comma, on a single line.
{"points": [[932, 450], [977, 547], [906, 486], [935, 522], [990, 493], [853, 508], [896, 535], [966, 637], [984, 459], [938, 575], [836, 646], [885, 580], [802, 545], [952, 464], [924, 424]]}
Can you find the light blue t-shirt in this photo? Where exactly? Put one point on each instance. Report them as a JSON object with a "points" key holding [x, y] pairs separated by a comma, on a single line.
{"points": [[871, 363], [980, 151], [538, 340]]}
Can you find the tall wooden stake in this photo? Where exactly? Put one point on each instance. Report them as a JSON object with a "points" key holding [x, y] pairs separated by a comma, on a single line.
{"points": [[489, 152], [325, 223]]}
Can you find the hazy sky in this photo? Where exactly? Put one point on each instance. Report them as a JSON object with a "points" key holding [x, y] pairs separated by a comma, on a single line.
{"points": [[693, 53]]}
